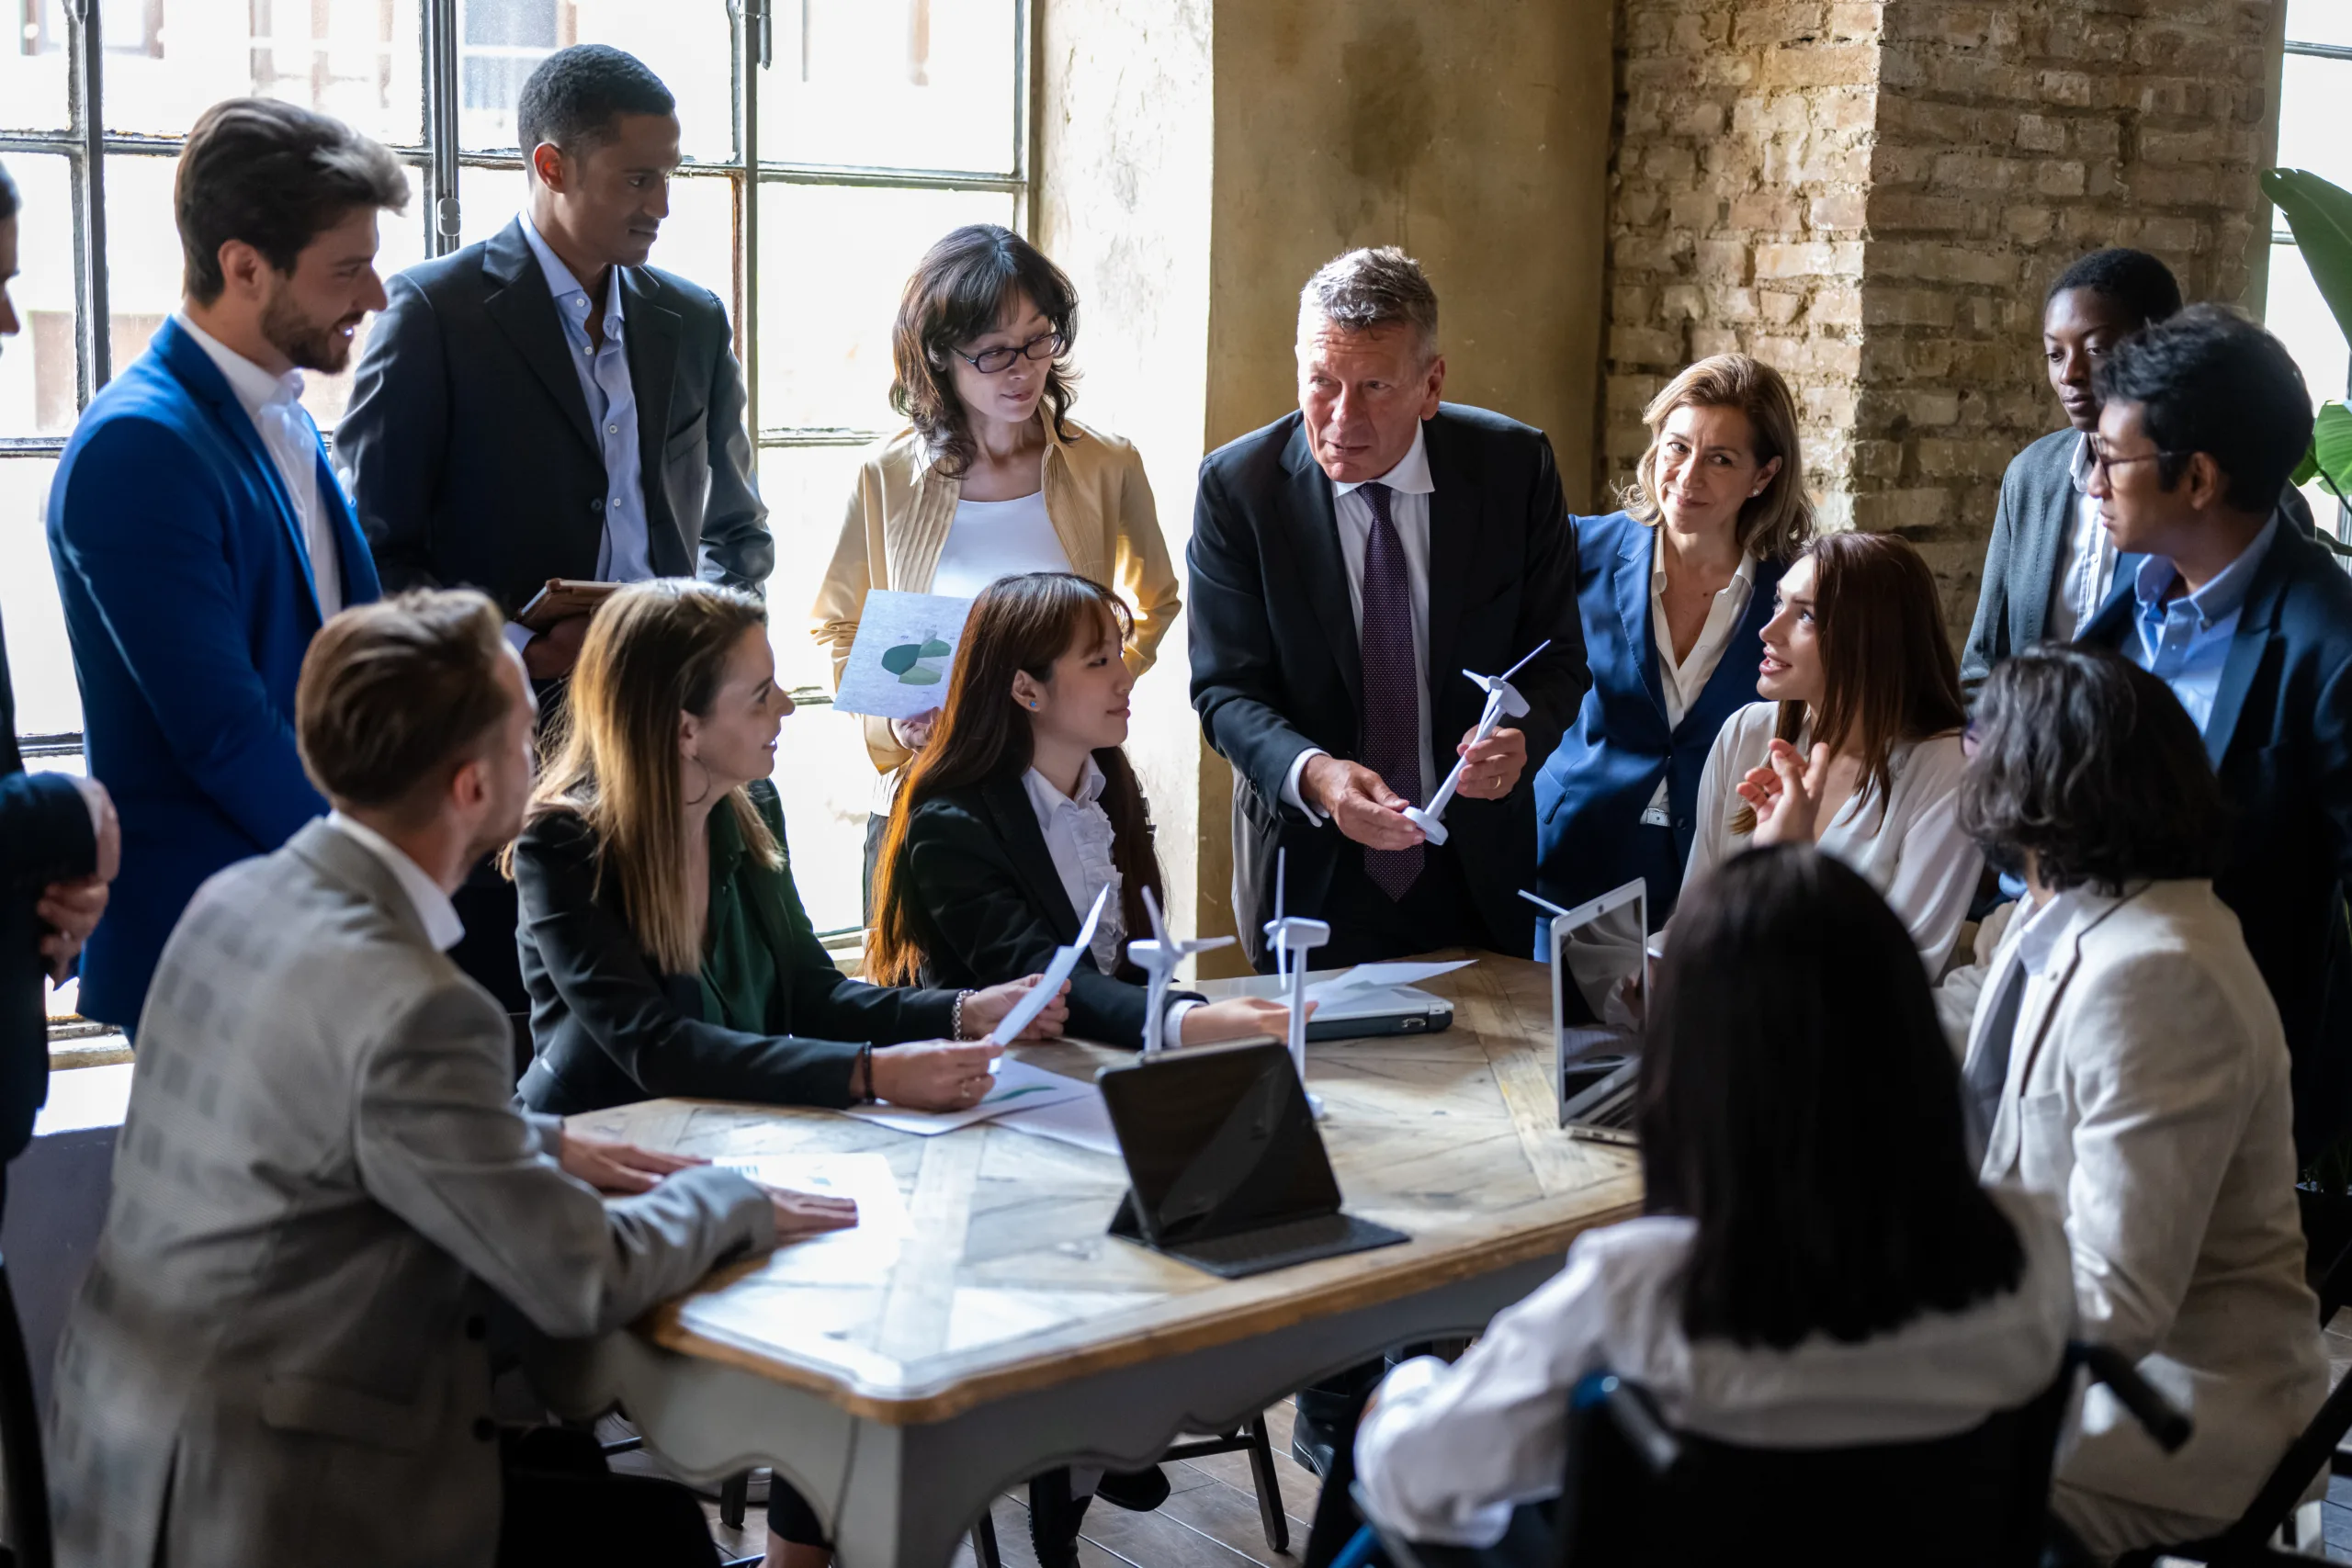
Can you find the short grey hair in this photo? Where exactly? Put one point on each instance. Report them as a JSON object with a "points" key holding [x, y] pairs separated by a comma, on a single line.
{"points": [[1378, 285]]}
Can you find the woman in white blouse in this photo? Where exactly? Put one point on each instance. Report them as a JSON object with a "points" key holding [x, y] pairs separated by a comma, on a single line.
{"points": [[990, 476], [1857, 747], [1817, 1267]]}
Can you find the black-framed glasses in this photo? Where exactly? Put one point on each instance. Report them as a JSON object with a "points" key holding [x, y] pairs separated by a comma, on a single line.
{"points": [[993, 361], [2103, 461]]}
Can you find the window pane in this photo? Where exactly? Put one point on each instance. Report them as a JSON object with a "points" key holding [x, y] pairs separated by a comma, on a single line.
{"points": [[33, 71], [2310, 117], [2295, 310], [360, 60], [2319, 21], [688, 43], [40, 666], [822, 775], [893, 83], [825, 310], [697, 239], [144, 266], [39, 373]]}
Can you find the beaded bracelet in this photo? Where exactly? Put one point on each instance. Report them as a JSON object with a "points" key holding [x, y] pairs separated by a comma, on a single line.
{"points": [[956, 1021]]}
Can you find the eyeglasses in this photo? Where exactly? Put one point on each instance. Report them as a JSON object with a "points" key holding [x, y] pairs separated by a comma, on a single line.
{"points": [[993, 361], [2103, 461]]}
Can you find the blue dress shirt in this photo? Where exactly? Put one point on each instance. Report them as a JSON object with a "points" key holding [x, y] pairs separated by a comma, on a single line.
{"points": [[625, 555], [2186, 642]]}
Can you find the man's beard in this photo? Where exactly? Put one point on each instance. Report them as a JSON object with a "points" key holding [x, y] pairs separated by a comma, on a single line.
{"points": [[310, 345]]}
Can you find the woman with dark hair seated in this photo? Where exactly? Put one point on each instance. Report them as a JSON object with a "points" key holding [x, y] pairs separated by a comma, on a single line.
{"points": [[2127, 1060], [1818, 1266], [1022, 810]]}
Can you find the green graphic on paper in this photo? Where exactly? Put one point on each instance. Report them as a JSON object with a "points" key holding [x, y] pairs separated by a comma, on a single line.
{"points": [[917, 663]]}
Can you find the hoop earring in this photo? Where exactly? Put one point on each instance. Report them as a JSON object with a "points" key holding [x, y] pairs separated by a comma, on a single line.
{"points": [[705, 794]]}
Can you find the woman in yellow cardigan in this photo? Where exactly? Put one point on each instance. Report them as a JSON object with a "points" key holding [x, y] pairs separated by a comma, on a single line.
{"points": [[991, 476]]}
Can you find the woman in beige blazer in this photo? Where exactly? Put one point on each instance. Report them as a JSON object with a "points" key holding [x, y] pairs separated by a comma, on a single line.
{"points": [[2127, 1062], [990, 475]]}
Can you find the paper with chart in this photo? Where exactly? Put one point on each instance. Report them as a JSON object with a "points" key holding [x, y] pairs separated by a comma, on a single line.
{"points": [[1018, 1086], [1008, 1028], [850, 1256], [905, 651]]}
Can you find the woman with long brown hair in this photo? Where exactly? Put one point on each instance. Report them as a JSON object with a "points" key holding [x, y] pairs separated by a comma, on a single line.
{"points": [[1857, 745], [663, 943], [1022, 810], [990, 475]]}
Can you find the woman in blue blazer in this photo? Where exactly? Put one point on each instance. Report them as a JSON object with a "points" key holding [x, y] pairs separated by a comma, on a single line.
{"points": [[1674, 592]]}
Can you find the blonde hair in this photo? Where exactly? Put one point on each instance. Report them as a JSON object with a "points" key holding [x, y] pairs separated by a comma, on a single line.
{"points": [[1774, 526], [654, 651]]}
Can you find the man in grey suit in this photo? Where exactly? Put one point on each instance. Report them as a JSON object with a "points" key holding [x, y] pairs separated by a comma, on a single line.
{"points": [[321, 1182], [2050, 565]]}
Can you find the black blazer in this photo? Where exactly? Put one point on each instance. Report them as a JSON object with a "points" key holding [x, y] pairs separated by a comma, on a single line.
{"points": [[987, 906], [468, 446], [1276, 657], [2280, 740], [610, 1028], [45, 837]]}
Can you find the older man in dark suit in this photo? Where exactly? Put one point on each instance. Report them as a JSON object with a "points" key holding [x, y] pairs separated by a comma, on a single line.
{"points": [[1349, 562], [543, 404]]}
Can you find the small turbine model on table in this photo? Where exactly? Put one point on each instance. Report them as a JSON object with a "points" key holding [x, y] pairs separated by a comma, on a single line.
{"points": [[1157, 956], [1502, 698], [1292, 937]]}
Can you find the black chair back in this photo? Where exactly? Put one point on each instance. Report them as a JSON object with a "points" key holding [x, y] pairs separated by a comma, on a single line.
{"points": [[21, 1470]]}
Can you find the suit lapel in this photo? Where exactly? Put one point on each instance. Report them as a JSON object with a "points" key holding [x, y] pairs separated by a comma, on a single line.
{"points": [[2249, 641], [1016, 824], [650, 333], [194, 369], [2043, 530], [524, 311], [360, 586], [1630, 583], [1313, 526], [1455, 529]]}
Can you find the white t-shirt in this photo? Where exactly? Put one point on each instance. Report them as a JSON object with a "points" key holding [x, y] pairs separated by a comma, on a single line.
{"points": [[990, 539]]}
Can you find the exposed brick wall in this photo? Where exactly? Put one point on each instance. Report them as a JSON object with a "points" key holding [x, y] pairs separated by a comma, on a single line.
{"points": [[1874, 196]]}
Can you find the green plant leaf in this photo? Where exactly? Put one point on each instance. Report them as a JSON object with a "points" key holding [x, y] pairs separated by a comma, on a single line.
{"points": [[2321, 215], [2332, 447]]}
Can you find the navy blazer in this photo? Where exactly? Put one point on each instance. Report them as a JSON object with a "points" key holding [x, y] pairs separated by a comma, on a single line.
{"points": [[187, 587], [2280, 740], [1591, 791]]}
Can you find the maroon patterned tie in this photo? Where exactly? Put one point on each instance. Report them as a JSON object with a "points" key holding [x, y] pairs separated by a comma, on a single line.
{"points": [[1392, 703]]}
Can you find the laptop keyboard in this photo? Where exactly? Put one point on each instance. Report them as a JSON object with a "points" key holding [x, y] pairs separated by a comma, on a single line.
{"points": [[1291, 1241]]}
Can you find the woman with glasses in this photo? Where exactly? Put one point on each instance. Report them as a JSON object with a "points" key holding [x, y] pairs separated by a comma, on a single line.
{"points": [[990, 476]]}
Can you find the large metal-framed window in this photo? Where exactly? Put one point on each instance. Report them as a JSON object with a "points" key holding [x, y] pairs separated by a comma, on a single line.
{"points": [[2315, 82], [827, 144]]}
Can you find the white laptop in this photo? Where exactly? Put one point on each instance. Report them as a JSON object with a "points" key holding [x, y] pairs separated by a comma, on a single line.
{"points": [[1601, 975]]}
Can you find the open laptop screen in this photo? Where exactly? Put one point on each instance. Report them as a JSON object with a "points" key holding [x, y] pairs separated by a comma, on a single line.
{"points": [[1601, 974], [1218, 1141]]}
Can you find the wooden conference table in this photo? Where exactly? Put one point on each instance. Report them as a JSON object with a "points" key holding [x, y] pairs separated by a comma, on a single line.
{"points": [[1006, 1333]]}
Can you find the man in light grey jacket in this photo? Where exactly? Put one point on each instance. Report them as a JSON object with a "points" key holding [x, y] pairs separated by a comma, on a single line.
{"points": [[2128, 1062], [278, 1356]]}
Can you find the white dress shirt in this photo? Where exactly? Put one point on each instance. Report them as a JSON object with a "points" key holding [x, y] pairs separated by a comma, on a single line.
{"points": [[273, 403], [442, 926], [990, 540], [1448, 1452], [1680, 684], [1909, 844], [2086, 562], [1410, 488], [1078, 836]]}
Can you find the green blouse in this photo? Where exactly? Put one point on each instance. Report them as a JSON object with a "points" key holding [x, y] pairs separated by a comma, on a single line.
{"points": [[755, 919]]}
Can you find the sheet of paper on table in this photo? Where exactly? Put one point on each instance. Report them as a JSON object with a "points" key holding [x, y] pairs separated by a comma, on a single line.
{"points": [[899, 666], [1018, 1086], [1082, 1119], [1048, 987], [1371, 977], [850, 1256]]}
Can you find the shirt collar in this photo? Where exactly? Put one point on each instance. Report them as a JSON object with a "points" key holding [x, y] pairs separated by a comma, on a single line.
{"points": [[2221, 597], [1409, 477], [442, 927], [1745, 572], [2079, 470], [256, 387], [569, 291], [1046, 797], [2039, 931]]}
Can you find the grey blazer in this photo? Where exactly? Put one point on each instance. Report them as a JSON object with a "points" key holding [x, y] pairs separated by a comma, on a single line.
{"points": [[278, 1354], [2029, 527]]}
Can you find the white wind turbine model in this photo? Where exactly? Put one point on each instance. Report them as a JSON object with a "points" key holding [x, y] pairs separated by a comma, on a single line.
{"points": [[1502, 698], [1157, 956], [1292, 937]]}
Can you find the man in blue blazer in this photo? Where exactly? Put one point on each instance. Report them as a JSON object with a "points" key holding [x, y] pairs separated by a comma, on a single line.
{"points": [[200, 537], [2203, 418]]}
